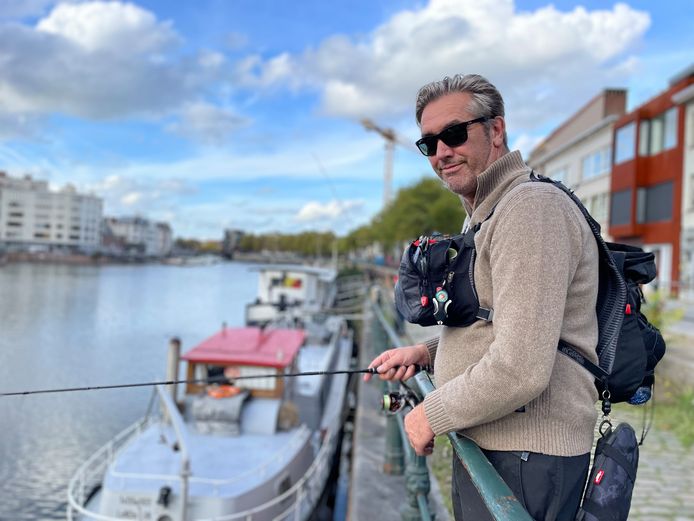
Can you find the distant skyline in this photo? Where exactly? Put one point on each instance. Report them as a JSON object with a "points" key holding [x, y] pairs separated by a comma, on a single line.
{"points": [[246, 113]]}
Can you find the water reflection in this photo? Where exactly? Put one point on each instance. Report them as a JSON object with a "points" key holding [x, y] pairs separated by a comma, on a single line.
{"points": [[68, 326]]}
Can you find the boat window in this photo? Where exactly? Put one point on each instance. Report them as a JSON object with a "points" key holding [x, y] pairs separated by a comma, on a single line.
{"points": [[215, 371]]}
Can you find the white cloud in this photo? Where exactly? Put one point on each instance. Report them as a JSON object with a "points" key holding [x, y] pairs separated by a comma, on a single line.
{"points": [[110, 27], [100, 60], [330, 211], [21, 8], [341, 155], [124, 195], [18, 125], [132, 198], [207, 123], [538, 58]]}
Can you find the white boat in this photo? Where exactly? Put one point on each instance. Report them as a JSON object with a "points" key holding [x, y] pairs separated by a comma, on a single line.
{"points": [[261, 449], [290, 291]]}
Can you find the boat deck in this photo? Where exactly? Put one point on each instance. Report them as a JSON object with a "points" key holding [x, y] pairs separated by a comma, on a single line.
{"points": [[220, 465]]}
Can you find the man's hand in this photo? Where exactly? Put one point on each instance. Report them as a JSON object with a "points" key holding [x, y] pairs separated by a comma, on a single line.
{"points": [[399, 364], [419, 431]]}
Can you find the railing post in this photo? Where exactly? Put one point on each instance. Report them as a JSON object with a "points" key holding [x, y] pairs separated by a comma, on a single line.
{"points": [[418, 486]]}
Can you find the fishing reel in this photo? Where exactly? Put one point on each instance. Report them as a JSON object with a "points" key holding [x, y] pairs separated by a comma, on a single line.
{"points": [[394, 402]]}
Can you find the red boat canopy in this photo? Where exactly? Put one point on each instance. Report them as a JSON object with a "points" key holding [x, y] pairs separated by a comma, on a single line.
{"points": [[249, 346]]}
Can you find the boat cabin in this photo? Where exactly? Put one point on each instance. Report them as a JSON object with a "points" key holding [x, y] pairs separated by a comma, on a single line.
{"points": [[290, 288], [243, 352]]}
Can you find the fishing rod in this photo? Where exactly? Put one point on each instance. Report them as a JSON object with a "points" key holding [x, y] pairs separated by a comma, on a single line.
{"points": [[221, 380]]}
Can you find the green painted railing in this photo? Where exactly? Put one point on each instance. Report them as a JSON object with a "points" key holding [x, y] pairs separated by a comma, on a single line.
{"points": [[497, 496]]}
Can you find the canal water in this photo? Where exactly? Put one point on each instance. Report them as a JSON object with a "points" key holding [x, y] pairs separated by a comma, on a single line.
{"points": [[74, 326]]}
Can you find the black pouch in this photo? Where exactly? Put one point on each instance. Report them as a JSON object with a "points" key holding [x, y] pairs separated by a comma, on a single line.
{"points": [[611, 481], [436, 283]]}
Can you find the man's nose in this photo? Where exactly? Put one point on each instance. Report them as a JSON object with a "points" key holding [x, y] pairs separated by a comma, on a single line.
{"points": [[443, 150]]}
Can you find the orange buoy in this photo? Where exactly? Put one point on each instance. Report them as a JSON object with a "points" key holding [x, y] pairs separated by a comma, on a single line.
{"points": [[223, 391]]}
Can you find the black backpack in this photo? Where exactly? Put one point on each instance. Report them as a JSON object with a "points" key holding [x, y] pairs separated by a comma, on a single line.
{"points": [[629, 346]]}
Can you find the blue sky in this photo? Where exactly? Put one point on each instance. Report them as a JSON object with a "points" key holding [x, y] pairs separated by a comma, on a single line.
{"points": [[246, 113]]}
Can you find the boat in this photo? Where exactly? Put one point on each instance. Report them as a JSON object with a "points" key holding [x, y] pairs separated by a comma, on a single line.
{"points": [[260, 449]]}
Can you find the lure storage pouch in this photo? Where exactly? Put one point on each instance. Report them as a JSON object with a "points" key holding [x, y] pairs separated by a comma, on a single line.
{"points": [[611, 481], [436, 284]]}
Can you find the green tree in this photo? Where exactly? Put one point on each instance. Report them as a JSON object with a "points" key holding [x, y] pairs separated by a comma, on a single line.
{"points": [[423, 208]]}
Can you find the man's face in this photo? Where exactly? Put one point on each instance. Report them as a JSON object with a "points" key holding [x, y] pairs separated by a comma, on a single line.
{"points": [[458, 167]]}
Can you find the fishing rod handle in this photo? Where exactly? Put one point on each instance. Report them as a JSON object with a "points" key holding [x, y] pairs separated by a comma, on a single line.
{"points": [[417, 368]]}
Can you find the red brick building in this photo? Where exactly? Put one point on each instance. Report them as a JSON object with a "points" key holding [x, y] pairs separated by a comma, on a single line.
{"points": [[647, 178]]}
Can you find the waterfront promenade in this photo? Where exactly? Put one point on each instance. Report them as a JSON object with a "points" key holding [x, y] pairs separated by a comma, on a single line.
{"points": [[664, 488]]}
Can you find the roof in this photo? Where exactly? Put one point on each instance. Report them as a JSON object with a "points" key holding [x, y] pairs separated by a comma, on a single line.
{"points": [[324, 273], [249, 346]]}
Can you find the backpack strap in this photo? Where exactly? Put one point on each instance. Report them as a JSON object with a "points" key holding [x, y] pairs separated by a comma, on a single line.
{"points": [[486, 314], [612, 284], [567, 349]]}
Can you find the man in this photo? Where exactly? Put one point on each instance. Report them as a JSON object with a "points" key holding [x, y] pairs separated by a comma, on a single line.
{"points": [[501, 382]]}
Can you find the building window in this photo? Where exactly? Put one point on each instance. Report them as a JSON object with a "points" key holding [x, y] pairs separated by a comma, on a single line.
{"points": [[598, 207], [625, 143], [596, 164], [620, 208], [560, 174], [654, 203], [658, 134], [670, 135], [656, 142], [644, 136]]}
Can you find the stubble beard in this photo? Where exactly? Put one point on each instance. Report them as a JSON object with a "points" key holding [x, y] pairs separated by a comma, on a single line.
{"points": [[459, 183]]}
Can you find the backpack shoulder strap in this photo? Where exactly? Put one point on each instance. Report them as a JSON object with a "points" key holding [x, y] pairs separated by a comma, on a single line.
{"points": [[612, 296]]}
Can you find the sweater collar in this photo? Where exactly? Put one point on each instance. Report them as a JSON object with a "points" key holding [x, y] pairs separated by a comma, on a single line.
{"points": [[494, 182]]}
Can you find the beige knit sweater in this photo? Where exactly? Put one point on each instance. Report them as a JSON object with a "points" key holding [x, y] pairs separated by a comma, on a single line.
{"points": [[503, 384]]}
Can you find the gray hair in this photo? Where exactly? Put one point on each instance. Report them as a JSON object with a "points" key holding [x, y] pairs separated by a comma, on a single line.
{"points": [[486, 99]]}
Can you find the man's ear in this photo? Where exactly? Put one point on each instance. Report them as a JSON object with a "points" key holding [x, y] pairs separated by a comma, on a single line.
{"points": [[498, 131]]}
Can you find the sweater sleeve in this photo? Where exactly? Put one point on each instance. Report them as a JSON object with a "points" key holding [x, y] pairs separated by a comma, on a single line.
{"points": [[431, 346], [534, 248]]}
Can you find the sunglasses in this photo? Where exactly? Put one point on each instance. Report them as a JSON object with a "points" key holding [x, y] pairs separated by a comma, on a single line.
{"points": [[452, 136]]}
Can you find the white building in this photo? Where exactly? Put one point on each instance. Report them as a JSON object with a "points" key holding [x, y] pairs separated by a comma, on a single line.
{"points": [[140, 235], [32, 217], [579, 152], [686, 98]]}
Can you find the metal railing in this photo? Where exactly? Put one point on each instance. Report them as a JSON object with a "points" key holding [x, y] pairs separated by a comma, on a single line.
{"points": [[497, 496]]}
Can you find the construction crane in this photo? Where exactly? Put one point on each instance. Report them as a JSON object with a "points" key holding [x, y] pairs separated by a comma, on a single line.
{"points": [[391, 139]]}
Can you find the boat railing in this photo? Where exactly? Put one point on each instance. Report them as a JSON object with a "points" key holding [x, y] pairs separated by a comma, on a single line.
{"points": [[86, 480], [299, 498], [497, 496], [173, 415], [88, 477]]}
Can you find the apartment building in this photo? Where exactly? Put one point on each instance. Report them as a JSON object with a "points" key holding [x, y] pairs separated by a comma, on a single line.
{"points": [[33, 217], [685, 100], [647, 192], [138, 235], [579, 152]]}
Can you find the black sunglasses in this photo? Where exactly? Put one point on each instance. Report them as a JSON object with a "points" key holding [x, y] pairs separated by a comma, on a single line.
{"points": [[452, 136]]}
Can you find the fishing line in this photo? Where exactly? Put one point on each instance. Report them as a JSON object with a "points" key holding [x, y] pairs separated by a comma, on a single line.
{"points": [[212, 380]]}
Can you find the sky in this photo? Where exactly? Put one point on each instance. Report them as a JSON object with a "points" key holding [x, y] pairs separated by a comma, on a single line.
{"points": [[246, 114]]}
